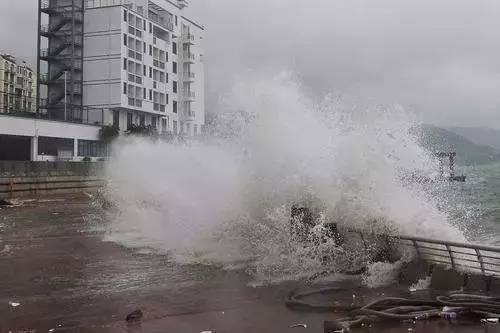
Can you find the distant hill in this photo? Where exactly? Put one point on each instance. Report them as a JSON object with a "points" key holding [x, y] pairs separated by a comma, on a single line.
{"points": [[479, 135], [437, 139]]}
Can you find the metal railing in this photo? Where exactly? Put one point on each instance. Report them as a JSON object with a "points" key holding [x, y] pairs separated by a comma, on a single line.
{"points": [[189, 56], [169, 25], [188, 38], [468, 257], [462, 256], [188, 75]]}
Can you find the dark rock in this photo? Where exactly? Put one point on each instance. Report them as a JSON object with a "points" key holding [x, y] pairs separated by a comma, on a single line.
{"points": [[444, 278], [134, 316]]}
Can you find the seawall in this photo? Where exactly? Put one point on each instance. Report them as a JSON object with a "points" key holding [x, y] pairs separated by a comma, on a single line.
{"points": [[34, 179]]}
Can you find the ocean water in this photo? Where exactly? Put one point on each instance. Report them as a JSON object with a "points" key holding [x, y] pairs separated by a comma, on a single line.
{"points": [[478, 203]]}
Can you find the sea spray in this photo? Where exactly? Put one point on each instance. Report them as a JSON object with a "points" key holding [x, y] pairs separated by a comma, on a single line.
{"points": [[227, 198]]}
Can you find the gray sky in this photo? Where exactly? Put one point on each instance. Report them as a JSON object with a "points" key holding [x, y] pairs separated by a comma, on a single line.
{"points": [[439, 57]]}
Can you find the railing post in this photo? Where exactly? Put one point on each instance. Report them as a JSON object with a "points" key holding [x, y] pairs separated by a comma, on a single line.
{"points": [[451, 256], [415, 244], [481, 262]]}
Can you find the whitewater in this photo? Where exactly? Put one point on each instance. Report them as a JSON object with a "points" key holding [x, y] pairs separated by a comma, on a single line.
{"points": [[224, 199]]}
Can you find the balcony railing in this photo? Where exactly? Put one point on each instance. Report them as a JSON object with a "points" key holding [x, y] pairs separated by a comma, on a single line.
{"points": [[188, 38], [169, 25], [189, 56], [188, 76]]}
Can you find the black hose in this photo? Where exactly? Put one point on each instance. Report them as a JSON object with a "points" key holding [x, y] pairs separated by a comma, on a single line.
{"points": [[399, 308]]}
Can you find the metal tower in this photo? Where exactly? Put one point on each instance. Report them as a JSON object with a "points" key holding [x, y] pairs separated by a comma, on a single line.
{"points": [[60, 50]]}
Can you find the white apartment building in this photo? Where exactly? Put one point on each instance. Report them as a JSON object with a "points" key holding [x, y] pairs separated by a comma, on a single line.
{"points": [[143, 61], [106, 62]]}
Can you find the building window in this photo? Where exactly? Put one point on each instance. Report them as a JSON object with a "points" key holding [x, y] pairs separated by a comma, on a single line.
{"points": [[53, 146], [125, 16], [125, 39], [150, 28], [87, 148], [125, 63], [175, 87], [153, 122], [150, 94], [174, 126], [150, 50], [129, 120], [144, 94], [166, 56], [142, 120], [116, 119], [174, 106], [174, 47], [176, 20], [174, 67], [166, 96], [144, 47], [145, 72], [150, 72], [164, 125], [124, 88]]}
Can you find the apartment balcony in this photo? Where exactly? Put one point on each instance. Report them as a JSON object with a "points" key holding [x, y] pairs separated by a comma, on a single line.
{"points": [[189, 57], [189, 95], [169, 25], [189, 115], [188, 76], [188, 38]]}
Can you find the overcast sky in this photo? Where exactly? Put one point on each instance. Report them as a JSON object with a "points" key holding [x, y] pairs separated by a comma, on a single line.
{"points": [[440, 58]]}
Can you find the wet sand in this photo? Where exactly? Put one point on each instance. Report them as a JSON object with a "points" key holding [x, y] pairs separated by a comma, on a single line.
{"points": [[55, 263]]}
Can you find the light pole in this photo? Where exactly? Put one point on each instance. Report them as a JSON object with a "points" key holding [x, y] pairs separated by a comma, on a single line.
{"points": [[65, 93]]}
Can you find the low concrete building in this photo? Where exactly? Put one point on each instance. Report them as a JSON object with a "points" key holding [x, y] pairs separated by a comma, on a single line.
{"points": [[25, 139]]}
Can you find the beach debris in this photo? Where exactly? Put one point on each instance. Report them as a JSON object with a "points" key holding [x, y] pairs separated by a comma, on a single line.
{"points": [[134, 316], [14, 304], [413, 290], [490, 320], [298, 325], [449, 315], [52, 330], [4, 202], [333, 326], [208, 332]]}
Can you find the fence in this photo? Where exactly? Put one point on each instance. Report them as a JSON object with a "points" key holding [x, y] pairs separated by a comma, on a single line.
{"points": [[24, 106], [473, 258]]}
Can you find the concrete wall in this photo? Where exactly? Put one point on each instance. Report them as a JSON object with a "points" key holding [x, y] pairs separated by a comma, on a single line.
{"points": [[36, 127], [49, 169], [33, 179]]}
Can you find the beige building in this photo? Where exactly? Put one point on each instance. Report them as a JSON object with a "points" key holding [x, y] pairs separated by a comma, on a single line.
{"points": [[17, 86]]}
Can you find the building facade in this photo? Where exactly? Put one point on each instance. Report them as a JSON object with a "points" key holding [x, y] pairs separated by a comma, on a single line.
{"points": [[17, 86], [124, 63], [139, 60]]}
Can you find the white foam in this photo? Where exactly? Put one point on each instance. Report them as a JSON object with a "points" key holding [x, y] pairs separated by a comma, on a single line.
{"points": [[228, 198]]}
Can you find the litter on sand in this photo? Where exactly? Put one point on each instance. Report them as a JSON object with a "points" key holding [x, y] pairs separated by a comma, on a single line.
{"points": [[298, 325], [14, 304]]}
